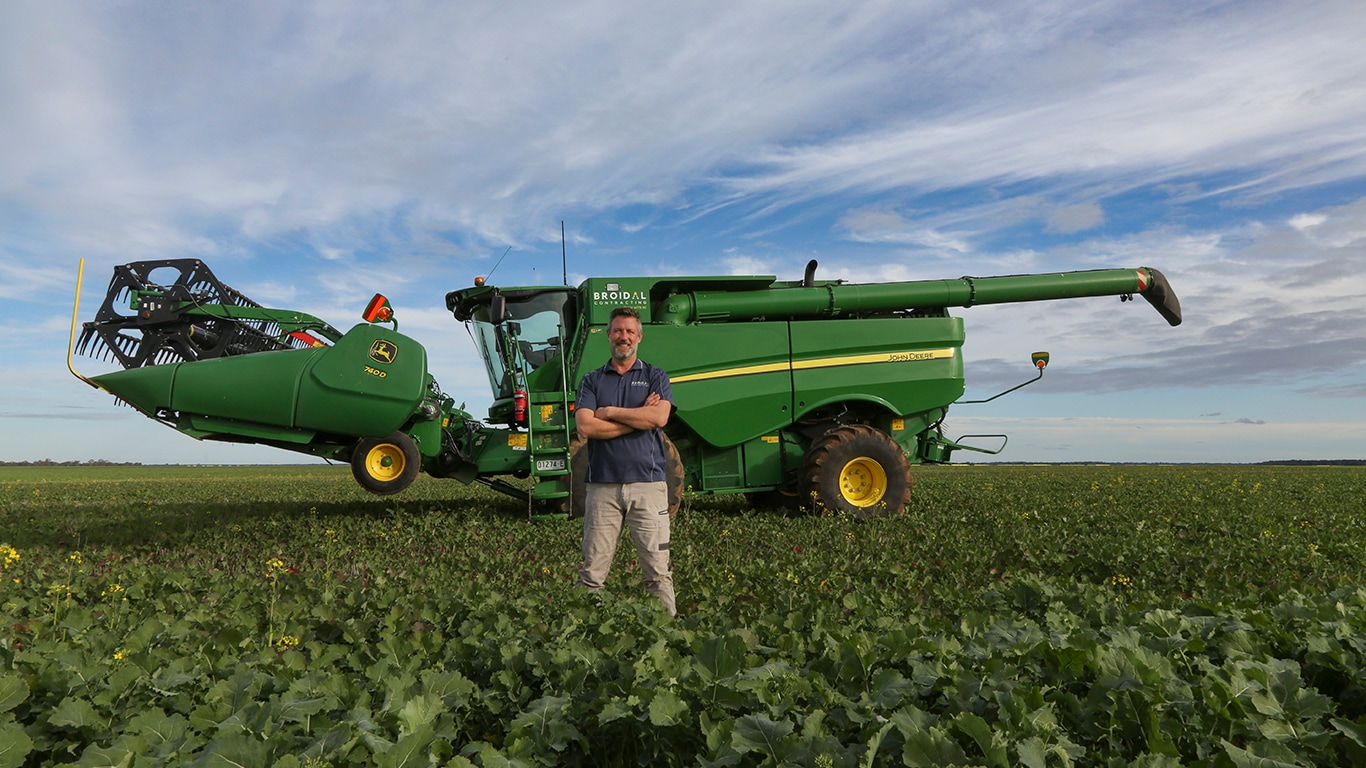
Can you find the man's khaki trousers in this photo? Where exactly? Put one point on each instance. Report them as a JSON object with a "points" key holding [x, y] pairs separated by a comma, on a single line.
{"points": [[644, 509]]}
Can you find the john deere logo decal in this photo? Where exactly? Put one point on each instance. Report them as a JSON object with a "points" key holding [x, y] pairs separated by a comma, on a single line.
{"points": [[383, 351]]}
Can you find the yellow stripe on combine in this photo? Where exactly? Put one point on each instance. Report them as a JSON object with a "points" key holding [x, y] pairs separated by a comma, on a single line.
{"points": [[907, 356], [742, 371]]}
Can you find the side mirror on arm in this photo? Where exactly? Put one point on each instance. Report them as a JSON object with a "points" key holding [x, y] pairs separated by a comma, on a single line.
{"points": [[498, 309]]}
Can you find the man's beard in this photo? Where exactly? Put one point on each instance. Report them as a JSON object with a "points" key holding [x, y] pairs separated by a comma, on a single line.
{"points": [[623, 351]]}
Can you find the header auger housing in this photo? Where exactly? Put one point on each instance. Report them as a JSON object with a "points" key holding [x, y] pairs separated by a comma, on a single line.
{"points": [[811, 394]]}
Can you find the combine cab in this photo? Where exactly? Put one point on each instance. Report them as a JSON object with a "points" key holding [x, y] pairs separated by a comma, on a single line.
{"points": [[806, 394]]}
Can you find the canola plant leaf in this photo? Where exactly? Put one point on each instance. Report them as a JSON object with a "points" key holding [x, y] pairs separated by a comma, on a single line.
{"points": [[235, 751], [454, 688], [74, 713], [14, 745], [492, 757], [102, 757], [910, 720], [1033, 753], [932, 747], [889, 688], [757, 733], [1261, 755], [980, 732], [299, 710], [721, 657], [667, 709], [419, 711], [615, 709], [409, 752], [546, 723], [160, 731], [875, 742], [339, 739], [1353, 731], [13, 692], [237, 691]]}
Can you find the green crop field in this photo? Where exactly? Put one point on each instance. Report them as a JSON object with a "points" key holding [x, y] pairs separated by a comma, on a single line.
{"points": [[1014, 616]]}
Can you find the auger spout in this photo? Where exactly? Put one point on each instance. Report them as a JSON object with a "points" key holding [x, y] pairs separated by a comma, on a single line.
{"points": [[836, 299], [1160, 294]]}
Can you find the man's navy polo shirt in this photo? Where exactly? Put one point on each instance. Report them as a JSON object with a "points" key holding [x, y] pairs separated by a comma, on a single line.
{"points": [[637, 457]]}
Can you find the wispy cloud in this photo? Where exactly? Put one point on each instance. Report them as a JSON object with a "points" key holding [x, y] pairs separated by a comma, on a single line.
{"points": [[491, 120]]}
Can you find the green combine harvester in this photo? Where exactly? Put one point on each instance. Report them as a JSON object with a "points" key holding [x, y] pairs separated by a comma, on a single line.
{"points": [[810, 394]]}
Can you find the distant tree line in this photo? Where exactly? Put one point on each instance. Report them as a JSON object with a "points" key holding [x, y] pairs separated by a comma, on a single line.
{"points": [[86, 463], [1318, 462]]}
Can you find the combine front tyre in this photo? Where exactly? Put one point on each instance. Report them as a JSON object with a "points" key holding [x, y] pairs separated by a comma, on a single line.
{"points": [[857, 470], [386, 465]]}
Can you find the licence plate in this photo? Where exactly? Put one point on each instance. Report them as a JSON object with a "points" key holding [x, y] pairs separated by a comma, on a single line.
{"points": [[549, 465]]}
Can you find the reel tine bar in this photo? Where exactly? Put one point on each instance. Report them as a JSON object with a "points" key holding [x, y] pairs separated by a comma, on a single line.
{"points": [[142, 322]]}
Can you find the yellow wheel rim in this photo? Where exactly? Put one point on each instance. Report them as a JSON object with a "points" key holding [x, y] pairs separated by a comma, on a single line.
{"points": [[385, 462], [863, 482]]}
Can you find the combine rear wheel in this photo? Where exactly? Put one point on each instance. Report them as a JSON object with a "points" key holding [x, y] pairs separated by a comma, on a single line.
{"points": [[578, 465], [673, 475], [386, 465], [857, 470]]}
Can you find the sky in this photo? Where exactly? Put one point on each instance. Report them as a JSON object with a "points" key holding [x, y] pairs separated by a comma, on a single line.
{"points": [[313, 153]]}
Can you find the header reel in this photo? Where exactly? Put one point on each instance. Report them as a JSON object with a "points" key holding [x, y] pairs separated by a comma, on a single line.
{"points": [[147, 320]]}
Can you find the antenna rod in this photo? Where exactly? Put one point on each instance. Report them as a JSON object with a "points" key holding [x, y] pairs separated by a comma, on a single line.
{"points": [[564, 263], [495, 264]]}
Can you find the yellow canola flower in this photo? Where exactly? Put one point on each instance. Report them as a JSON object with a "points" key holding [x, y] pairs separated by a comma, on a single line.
{"points": [[8, 555]]}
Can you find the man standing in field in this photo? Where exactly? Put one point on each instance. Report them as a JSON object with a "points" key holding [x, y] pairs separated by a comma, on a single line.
{"points": [[619, 410]]}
